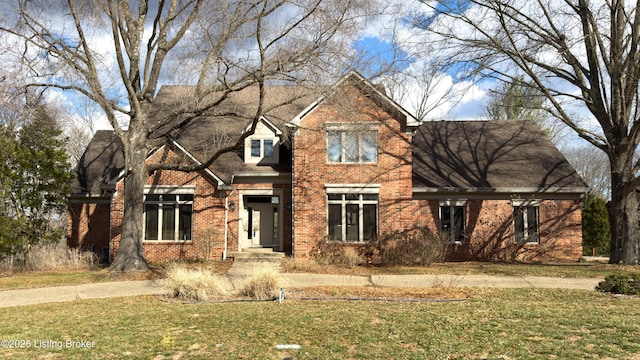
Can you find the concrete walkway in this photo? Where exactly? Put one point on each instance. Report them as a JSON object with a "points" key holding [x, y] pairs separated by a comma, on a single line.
{"points": [[10, 298]]}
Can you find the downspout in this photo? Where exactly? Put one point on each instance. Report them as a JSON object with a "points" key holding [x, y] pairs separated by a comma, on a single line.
{"points": [[292, 196], [226, 226]]}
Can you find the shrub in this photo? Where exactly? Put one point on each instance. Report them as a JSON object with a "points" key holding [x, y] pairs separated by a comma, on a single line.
{"points": [[596, 230], [47, 257], [626, 284], [336, 253], [192, 284], [417, 247], [261, 287]]}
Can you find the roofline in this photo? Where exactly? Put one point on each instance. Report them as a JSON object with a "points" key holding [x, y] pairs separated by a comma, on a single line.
{"points": [[505, 193], [264, 119], [207, 171], [192, 157], [412, 121], [551, 189]]}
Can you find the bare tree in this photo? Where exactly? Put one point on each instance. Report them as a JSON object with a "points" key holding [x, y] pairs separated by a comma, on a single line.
{"points": [[583, 56], [516, 100], [117, 53], [593, 166]]}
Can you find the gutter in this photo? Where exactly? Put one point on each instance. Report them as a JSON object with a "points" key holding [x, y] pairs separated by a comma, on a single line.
{"points": [[503, 190]]}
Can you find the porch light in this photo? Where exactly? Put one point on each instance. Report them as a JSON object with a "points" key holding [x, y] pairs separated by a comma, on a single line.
{"points": [[232, 205]]}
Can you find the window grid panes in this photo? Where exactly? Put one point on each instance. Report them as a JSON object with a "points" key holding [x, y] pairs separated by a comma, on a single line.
{"points": [[352, 217], [168, 217], [352, 146], [526, 224]]}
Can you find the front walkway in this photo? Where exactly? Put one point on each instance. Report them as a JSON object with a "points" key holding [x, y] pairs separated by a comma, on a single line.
{"points": [[10, 298]]}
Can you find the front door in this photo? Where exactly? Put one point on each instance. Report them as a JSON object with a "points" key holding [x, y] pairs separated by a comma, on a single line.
{"points": [[262, 221]]}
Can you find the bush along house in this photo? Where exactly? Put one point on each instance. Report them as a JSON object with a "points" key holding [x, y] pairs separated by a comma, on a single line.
{"points": [[345, 165]]}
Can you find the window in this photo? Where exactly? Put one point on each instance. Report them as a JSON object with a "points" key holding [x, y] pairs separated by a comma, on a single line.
{"points": [[255, 148], [268, 148], [262, 148], [352, 146], [168, 217], [452, 220], [525, 224], [352, 217]]}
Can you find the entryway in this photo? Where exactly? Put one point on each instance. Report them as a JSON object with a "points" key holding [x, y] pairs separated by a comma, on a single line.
{"points": [[261, 217]]}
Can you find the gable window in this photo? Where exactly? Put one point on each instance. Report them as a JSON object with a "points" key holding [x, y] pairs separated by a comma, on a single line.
{"points": [[526, 224], [452, 220], [352, 217], [267, 148], [168, 217], [352, 143], [255, 148], [262, 148]]}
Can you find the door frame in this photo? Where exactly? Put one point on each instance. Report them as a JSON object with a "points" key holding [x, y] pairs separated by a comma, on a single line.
{"points": [[243, 239]]}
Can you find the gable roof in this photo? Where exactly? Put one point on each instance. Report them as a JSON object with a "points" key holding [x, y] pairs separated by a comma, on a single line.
{"points": [[489, 156], [103, 160], [355, 78]]}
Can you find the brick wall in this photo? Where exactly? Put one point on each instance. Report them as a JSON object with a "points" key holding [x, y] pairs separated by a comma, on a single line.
{"points": [[88, 226], [208, 218], [311, 169], [490, 232]]}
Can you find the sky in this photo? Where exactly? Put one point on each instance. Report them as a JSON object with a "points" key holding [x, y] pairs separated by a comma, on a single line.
{"points": [[388, 37]]}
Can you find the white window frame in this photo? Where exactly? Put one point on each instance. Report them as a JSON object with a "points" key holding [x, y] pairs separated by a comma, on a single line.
{"points": [[161, 191], [452, 205], [360, 129], [524, 205]]}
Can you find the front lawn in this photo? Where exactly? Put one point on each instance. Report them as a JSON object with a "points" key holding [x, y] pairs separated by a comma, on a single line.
{"points": [[490, 324], [573, 270]]}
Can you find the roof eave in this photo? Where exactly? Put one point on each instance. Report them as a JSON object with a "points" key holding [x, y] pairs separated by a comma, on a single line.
{"points": [[502, 190]]}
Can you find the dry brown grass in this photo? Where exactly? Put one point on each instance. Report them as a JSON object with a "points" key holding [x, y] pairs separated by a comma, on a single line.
{"points": [[383, 293], [192, 284], [261, 287]]}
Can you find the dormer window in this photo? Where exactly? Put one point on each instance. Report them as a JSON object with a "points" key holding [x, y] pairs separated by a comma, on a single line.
{"points": [[262, 146]]}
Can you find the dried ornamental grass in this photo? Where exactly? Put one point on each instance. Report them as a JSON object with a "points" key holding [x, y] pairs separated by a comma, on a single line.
{"points": [[261, 287], [192, 284]]}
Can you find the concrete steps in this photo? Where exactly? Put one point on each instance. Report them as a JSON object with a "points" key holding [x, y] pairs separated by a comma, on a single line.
{"points": [[253, 261], [256, 255]]}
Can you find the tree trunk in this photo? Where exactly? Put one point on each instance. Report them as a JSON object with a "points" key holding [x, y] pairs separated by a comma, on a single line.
{"points": [[623, 215], [131, 252]]}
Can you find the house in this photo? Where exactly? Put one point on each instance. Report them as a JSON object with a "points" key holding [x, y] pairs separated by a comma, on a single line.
{"points": [[346, 165]]}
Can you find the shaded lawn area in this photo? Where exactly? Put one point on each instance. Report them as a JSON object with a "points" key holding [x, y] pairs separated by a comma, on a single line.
{"points": [[491, 324]]}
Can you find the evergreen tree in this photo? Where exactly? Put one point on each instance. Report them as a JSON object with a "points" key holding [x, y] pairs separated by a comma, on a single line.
{"points": [[35, 179], [596, 230]]}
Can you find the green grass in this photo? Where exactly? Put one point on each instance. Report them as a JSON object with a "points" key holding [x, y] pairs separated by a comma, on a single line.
{"points": [[493, 324]]}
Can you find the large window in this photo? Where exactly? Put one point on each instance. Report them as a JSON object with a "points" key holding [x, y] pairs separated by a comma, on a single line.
{"points": [[352, 146], [352, 217], [168, 217], [452, 220], [526, 224]]}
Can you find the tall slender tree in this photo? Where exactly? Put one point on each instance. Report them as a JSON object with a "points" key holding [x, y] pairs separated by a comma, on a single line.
{"points": [[583, 56]]}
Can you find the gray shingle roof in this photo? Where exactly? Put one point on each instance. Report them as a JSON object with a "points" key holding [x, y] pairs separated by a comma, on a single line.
{"points": [[489, 156], [103, 160]]}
